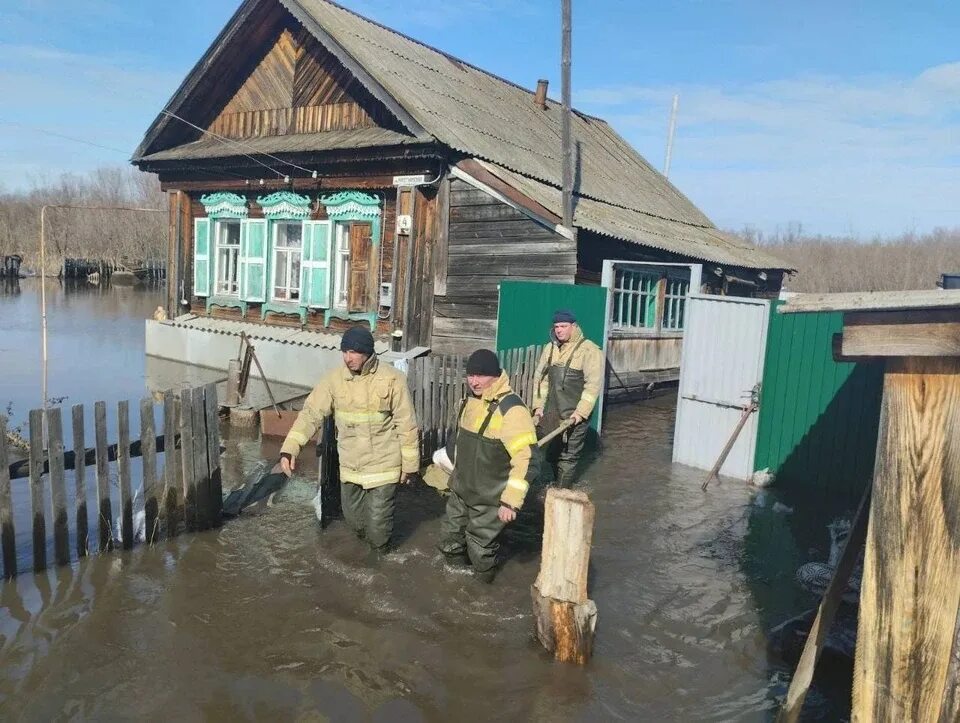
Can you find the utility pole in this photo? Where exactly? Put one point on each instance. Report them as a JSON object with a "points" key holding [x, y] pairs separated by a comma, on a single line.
{"points": [[670, 132], [566, 120]]}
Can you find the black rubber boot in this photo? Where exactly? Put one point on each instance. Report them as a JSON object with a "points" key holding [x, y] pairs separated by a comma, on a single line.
{"points": [[456, 559], [486, 576]]}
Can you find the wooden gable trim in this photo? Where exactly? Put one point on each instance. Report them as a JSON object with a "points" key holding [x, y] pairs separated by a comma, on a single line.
{"points": [[245, 14], [472, 173], [351, 64], [193, 78]]}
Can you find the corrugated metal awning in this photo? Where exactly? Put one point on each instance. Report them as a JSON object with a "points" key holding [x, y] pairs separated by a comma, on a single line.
{"points": [[280, 334]]}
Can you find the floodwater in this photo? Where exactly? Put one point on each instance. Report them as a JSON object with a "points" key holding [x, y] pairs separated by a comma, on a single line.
{"points": [[272, 618]]}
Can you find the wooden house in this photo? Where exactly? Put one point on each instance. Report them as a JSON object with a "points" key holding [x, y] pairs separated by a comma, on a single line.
{"points": [[323, 169]]}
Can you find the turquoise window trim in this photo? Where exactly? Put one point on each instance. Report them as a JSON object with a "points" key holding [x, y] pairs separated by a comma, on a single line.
{"points": [[228, 302], [368, 316], [348, 207], [224, 205], [284, 307]]}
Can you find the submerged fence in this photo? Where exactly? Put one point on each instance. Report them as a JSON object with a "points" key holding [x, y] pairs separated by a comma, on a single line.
{"points": [[438, 384], [185, 496]]}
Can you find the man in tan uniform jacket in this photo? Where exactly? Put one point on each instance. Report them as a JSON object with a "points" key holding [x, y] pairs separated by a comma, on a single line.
{"points": [[569, 378], [495, 458], [377, 436]]}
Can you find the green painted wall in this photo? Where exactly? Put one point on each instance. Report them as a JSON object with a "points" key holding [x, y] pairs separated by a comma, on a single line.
{"points": [[818, 418], [526, 311]]}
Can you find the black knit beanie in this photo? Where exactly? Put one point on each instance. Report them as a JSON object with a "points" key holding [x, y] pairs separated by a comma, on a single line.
{"points": [[483, 362], [357, 339], [564, 315]]}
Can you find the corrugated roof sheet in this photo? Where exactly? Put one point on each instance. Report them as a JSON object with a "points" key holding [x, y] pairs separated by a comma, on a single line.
{"points": [[209, 147], [480, 114], [281, 334], [698, 242]]}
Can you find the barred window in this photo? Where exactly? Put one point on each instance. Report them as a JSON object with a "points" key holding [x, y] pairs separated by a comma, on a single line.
{"points": [[649, 299]]}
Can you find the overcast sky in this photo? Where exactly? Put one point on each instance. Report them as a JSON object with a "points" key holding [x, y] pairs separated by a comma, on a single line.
{"points": [[843, 116]]}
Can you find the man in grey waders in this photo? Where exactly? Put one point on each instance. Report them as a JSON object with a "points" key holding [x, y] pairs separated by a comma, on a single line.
{"points": [[377, 436], [569, 377], [495, 458]]}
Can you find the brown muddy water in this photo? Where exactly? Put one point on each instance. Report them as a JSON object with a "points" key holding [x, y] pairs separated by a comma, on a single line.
{"points": [[271, 618]]}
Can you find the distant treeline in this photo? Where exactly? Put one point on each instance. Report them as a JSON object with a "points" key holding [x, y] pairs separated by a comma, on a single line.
{"points": [[836, 263], [122, 238]]}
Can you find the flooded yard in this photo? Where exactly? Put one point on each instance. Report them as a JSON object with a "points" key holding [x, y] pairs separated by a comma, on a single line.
{"points": [[271, 617]]}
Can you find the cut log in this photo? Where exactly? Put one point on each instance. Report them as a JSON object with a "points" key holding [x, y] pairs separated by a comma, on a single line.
{"points": [[565, 618]]}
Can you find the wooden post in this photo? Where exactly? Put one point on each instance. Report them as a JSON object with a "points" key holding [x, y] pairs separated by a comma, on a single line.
{"points": [[910, 593], [565, 617], [8, 537], [80, 481], [103, 477], [148, 448], [123, 474], [36, 490], [215, 492], [186, 459], [58, 487], [172, 470]]}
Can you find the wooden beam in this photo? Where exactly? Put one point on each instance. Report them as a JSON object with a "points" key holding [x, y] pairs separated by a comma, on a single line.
{"points": [[441, 254], [910, 593], [836, 347], [324, 184], [803, 677], [920, 332]]}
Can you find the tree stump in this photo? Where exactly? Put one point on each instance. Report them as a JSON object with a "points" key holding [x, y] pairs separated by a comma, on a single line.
{"points": [[565, 617]]}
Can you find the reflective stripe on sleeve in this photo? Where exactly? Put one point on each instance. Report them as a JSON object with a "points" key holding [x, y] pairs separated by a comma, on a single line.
{"points": [[520, 485], [527, 439], [588, 397], [411, 453]]}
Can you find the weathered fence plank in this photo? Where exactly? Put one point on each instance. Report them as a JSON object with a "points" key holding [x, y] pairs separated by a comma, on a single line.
{"points": [[36, 490], [104, 510], [215, 490], [123, 475], [8, 537], [172, 470], [58, 487], [186, 459], [201, 469], [80, 481], [150, 488]]}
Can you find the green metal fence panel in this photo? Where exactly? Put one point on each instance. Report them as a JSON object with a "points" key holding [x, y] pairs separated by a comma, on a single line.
{"points": [[818, 418], [526, 314]]}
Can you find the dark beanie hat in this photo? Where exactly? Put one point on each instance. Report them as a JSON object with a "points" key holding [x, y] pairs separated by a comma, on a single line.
{"points": [[358, 339], [483, 362], [564, 315]]}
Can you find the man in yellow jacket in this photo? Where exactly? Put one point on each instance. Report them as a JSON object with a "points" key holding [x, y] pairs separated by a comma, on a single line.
{"points": [[569, 378], [495, 458], [377, 436]]}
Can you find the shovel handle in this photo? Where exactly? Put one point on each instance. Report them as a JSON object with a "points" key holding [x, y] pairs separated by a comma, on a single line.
{"points": [[564, 426]]}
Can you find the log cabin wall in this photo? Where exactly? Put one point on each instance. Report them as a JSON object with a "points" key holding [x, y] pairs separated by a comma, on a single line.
{"points": [[488, 241]]}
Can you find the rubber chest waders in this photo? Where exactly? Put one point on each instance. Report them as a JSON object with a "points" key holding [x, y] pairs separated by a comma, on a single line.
{"points": [[564, 391]]}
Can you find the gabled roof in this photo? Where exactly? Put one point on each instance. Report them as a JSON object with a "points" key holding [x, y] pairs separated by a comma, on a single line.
{"points": [[435, 95]]}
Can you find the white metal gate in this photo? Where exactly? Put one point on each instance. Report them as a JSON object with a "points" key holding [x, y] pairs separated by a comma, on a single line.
{"points": [[722, 361]]}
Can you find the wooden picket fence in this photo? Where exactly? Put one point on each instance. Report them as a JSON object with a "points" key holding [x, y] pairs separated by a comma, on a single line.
{"points": [[438, 384], [186, 496]]}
